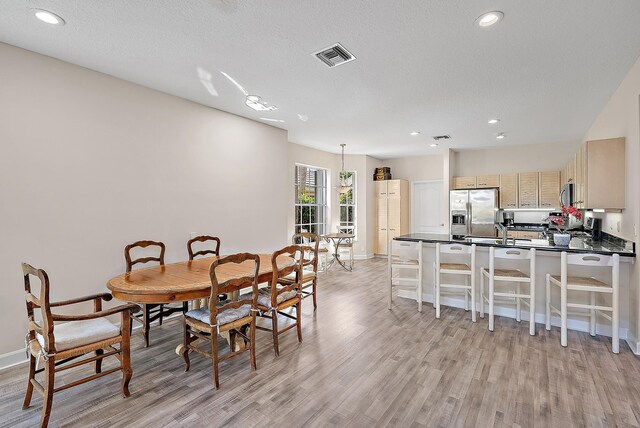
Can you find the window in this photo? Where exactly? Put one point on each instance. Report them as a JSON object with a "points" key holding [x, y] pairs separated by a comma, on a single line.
{"points": [[348, 205], [311, 200]]}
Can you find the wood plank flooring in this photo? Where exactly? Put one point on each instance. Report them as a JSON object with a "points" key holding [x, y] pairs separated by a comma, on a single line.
{"points": [[360, 365]]}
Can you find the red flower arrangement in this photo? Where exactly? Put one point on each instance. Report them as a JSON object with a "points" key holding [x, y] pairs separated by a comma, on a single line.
{"points": [[562, 221]]}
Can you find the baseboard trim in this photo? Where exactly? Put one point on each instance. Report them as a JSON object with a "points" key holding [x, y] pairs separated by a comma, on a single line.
{"points": [[363, 256], [632, 341], [572, 324]]}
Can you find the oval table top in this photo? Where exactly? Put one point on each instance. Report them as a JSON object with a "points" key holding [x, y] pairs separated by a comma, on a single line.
{"points": [[189, 280]]}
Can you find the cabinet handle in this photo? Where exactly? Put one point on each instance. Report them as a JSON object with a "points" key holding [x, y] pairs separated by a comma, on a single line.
{"points": [[391, 229], [392, 193]]}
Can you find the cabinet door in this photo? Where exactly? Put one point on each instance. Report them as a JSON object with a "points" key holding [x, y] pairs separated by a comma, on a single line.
{"points": [[382, 212], [528, 190], [394, 213], [464, 182], [381, 241], [485, 181], [605, 174], [509, 190], [381, 188], [549, 183], [578, 200], [393, 188]]}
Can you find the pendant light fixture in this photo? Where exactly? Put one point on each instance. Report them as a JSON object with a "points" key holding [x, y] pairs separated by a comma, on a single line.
{"points": [[345, 183]]}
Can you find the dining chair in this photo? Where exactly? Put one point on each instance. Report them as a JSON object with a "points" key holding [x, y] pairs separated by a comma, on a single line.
{"points": [[590, 285], [56, 345], [237, 317], [281, 295], [347, 244], [150, 312], [309, 266], [201, 303], [509, 275], [453, 266]]}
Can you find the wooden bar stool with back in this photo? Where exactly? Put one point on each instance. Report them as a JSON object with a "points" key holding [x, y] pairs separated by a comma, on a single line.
{"points": [[455, 267]]}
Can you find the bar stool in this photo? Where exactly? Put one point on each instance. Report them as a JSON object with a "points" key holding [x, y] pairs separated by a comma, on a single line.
{"points": [[510, 276], [449, 268], [405, 256], [590, 285]]}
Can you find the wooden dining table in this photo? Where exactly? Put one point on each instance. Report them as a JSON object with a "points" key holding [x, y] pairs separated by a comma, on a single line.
{"points": [[184, 281]]}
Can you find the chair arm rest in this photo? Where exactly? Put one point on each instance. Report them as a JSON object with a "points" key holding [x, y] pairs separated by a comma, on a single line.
{"points": [[93, 315], [104, 296]]}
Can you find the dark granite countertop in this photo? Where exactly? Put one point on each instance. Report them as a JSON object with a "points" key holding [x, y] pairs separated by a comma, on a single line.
{"points": [[579, 244]]}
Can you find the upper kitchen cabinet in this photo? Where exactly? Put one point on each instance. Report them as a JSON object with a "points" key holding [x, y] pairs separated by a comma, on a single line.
{"points": [[464, 182], [549, 188], [487, 181], [509, 190], [605, 174], [528, 190]]}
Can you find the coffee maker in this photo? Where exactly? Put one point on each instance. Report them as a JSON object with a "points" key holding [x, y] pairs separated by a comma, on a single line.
{"points": [[507, 218]]}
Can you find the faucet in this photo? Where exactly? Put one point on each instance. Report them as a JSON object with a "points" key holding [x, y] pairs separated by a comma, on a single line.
{"points": [[503, 229]]}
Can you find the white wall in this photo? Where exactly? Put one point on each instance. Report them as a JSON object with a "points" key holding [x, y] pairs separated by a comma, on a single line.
{"points": [[90, 163], [621, 118], [526, 158]]}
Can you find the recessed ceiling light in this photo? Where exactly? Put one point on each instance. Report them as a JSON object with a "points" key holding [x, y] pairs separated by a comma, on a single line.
{"points": [[493, 121], [433, 145], [48, 17], [414, 133], [490, 18], [500, 136]]}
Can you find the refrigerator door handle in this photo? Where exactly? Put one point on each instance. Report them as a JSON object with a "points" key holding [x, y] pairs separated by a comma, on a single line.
{"points": [[469, 218]]}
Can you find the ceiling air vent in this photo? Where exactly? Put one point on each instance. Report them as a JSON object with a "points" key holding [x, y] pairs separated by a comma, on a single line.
{"points": [[442, 137], [334, 55]]}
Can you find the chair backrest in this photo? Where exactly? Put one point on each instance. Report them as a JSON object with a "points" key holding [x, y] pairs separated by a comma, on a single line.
{"points": [[404, 249], [592, 259], [203, 238], [456, 248], [513, 253], [234, 284], [42, 302], [143, 244], [295, 252], [310, 240]]}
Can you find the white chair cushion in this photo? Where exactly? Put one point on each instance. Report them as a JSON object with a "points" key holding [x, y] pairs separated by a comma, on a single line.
{"points": [[264, 297], [78, 333], [224, 317]]}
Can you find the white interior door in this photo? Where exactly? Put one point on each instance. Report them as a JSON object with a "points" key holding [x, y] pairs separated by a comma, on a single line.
{"points": [[426, 207]]}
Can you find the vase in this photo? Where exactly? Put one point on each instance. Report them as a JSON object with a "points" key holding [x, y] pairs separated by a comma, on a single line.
{"points": [[561, 239]]}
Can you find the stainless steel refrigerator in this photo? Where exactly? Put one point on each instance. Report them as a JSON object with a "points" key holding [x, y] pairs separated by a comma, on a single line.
{"points": [[474, 212]]}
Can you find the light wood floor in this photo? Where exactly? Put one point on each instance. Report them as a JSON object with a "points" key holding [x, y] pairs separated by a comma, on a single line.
{"points": [[361, 365]]}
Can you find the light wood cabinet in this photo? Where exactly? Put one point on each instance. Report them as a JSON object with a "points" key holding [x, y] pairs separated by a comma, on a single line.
{"points": [[392, 201], [605, 174], [528, 190], [487, 181], [464, 182], [549, 188], [579, 178], [509, 190]]}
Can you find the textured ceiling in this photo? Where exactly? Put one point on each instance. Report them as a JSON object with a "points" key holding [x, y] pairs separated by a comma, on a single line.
{"points": [[546, 70]]}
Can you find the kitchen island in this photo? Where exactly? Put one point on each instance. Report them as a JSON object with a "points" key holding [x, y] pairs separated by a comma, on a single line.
{"points": [[547, 261]]}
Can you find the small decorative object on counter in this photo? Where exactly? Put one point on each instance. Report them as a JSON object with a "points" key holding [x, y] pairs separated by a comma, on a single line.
{"points": [[382, 173], [561, 222]]}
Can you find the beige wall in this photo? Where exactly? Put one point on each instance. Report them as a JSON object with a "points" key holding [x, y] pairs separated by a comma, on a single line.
{"points": [[527, 158], [621, 118], [90, 163]]}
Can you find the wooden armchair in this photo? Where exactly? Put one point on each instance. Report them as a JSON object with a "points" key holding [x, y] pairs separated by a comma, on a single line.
{"points": [[150, 312], [309, 266], [196, 304], [78, 336], [280, 295], [235, 317]]}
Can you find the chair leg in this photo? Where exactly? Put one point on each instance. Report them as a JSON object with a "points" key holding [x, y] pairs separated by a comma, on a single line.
{"points": [[491, 297], [473, 297], [274, 328], [563, 315], [185, 346], [314, 288], [518, 306], [547, 311], [592, 314], [47, 399], [98, 362], [466, 295], [125, 356], [615, 317], [232, 340], [532, 308], [32, 375], [252, 341], [145, 324], [299, 320], [419, 289], [214, 354], [160, 314], [481, 294], [437, 293]]}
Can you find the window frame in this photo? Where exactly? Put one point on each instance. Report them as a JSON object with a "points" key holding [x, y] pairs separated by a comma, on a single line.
{"points": [[353, 204], [321, 208]]}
